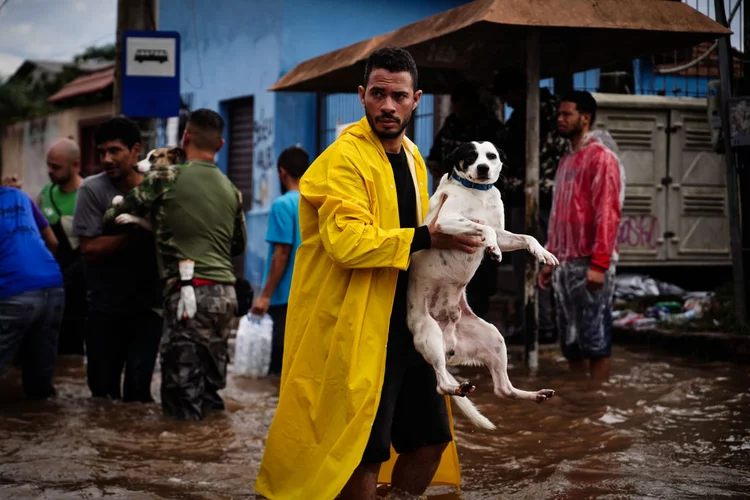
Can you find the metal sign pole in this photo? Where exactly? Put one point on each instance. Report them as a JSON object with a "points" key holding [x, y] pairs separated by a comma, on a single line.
{"points": [[134, 15], [531, 307]]}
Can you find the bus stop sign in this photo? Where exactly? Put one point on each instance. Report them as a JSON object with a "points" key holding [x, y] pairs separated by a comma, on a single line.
{"points": [[150, 74]]}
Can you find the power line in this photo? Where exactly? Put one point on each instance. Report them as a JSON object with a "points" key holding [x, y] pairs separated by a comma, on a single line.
{"points": [[3, 4]]}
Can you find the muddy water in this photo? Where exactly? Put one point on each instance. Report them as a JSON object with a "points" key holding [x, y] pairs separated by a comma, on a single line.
{"points": [[661, 428]]}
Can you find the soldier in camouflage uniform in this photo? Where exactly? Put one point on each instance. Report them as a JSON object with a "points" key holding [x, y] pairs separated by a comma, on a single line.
{"points": [[197, 215], [511, 88]]}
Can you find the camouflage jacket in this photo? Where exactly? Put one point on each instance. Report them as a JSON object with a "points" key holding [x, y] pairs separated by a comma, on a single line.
{"points": [[200, 218], [552, 147]]}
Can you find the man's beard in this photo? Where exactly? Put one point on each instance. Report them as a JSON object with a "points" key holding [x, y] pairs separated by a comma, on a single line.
{"points": [[62, 180], [575, 131], [388, 134]]}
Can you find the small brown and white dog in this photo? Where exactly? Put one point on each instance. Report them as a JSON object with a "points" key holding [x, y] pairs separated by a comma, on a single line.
{"points": [[156, 159], [446, 331]]}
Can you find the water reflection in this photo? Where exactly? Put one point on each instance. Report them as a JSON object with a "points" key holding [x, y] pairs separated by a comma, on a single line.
{"points": [[660, 428]]}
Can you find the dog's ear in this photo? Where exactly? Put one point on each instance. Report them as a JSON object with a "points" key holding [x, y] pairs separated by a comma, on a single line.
{"points": [[178, 154], [501, 155], [460, 158]]}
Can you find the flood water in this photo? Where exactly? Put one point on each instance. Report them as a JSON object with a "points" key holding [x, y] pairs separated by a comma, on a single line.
{"points": [[662, 428]]}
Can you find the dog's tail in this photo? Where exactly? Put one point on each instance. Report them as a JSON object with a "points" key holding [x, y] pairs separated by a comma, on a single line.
{"points": [[471, 412]]}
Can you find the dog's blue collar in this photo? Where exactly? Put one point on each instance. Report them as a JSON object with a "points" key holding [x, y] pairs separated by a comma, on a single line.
{"points": [[471, 185]]}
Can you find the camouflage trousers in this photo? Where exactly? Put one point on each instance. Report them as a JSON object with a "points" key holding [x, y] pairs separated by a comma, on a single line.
{"points": [[194, 353]]}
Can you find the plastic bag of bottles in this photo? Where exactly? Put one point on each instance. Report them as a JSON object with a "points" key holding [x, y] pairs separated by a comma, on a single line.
{"points": [[252, 350]]}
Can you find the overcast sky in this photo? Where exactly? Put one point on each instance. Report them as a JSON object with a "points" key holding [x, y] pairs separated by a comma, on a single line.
{"points": [[52, 29]]}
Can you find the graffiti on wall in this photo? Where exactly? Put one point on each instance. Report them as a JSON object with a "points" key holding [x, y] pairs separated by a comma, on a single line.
{"points": [[264, 171], [638, 231], [264, 175]]}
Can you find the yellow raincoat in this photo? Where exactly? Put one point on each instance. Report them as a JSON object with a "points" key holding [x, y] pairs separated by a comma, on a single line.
{"points": [[342, 292]]}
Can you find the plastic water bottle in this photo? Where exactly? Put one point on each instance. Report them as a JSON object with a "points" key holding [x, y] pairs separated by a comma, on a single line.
{"points": [[682, 318], [252, 351]]}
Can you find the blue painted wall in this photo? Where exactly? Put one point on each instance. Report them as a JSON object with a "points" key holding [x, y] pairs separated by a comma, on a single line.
{"points": [[227, 53], [310, 29]]}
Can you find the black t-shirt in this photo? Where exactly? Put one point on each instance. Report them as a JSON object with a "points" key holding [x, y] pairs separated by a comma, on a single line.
{"points": [[407, 197], [127, 280], [407, 213]]}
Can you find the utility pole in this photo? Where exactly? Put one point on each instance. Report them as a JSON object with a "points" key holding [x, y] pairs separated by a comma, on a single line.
{"points": [[733, 202], [744, 156], [531, 307], [134, 15]]}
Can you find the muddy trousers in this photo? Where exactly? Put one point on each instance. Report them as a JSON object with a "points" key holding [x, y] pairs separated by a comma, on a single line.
{"points": [[30, 326], [194, 353], [126, 341]]}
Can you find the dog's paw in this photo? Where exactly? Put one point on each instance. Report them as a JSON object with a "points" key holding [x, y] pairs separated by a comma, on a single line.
{"points": [[465, 388], [495, 254], [126, 219], [543, 256], [117, 200], [544, 395]]}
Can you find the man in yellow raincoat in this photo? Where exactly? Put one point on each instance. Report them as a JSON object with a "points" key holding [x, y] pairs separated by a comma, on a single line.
{"points": [[352, 383]]}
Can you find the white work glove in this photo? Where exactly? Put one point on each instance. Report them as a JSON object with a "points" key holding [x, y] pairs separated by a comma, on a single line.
{"points": [[187, 306]]}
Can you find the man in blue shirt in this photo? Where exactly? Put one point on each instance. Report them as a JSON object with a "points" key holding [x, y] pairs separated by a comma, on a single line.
{"points": [[283, 238], [31, 293]]}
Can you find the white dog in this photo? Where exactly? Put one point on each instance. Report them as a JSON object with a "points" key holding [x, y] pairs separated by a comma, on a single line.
{"points": [[446, 332]]}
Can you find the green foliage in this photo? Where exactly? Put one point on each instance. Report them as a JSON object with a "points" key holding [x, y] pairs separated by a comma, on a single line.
{"points": [[21, 101], [104, 53]]}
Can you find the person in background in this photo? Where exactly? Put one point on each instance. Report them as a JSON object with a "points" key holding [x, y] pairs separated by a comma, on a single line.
{"points": [[283, 238], [511, 88], [583, 227], [200, 225], [123, 327], [31, 294], [57, 202]]}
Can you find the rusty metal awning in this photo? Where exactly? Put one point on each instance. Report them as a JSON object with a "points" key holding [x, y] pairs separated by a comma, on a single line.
{"points": [[486, 35], [86, 84]]}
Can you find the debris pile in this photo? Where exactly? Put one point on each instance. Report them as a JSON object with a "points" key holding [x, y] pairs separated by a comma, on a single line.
{"points": [[642, 302]]}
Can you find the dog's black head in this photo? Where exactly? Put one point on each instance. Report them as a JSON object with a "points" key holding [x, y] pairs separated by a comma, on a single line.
{"points": [[478, 162]]}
